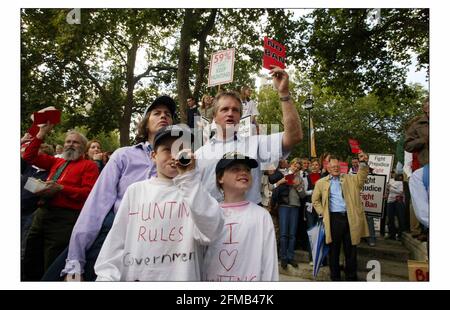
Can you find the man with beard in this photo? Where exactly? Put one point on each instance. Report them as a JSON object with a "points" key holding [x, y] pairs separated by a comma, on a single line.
{"points": [[69, 183]]}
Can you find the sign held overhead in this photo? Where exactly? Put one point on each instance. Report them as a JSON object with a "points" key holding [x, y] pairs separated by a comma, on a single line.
{"points": [[221, 67], [274, 54]]}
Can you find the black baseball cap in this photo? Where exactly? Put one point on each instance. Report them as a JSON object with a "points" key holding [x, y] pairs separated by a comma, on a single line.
{"points": [[235, 157], [175, 131], [165, 100]]}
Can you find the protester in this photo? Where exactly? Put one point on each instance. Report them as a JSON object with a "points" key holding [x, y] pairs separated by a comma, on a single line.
{"points": [[246, 249], [207, 109], [288, 214], [28, 200], [192, 112], [395, 206], [355, 166], [126, 166], [417, 142], [265, 149], [162, 222], [94, 152], [69, 183], [59, 151], [249, 107], [337, 199]]}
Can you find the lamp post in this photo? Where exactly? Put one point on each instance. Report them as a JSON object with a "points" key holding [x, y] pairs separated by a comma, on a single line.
{"points": [[308, 105]]}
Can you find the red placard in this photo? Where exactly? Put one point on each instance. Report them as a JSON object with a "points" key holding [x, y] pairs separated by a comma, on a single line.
{"points": [[42, 117], [354, 145], [344, 166], [274, 54], [289, 179], [53, 116]]}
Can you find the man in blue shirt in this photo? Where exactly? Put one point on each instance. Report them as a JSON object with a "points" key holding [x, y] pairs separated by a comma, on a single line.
{"points": [[337, 199]]}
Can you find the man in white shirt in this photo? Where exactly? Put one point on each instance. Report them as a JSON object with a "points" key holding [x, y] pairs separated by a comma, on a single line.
{"points": [[265, 149]]}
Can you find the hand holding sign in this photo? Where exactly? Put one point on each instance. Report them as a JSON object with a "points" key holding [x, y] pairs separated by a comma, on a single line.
{"points": [[274, 54], [363, 156], [48, 115], [280, 80], [354, 145]]}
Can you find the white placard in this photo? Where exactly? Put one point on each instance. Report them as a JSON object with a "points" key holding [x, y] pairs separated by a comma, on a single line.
{"points": [[381, 164], [221, 67], [372, 194], [245, 126]]}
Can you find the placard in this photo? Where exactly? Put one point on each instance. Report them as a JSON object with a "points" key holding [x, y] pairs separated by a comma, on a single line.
{"points": [[381, 164], [221, 67], [245, 126], [274, 54], [372, 195]]}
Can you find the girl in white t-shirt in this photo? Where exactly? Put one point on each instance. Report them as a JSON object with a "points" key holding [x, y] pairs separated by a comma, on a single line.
{"points": [[246, 249]]}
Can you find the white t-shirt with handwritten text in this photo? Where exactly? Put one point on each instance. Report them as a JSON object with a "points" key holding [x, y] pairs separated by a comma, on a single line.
{"points": [[246, 249], [266, 149], [159, 230]]}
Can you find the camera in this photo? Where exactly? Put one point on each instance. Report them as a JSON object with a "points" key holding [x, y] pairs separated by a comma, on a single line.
{"points": [[184, 158]]}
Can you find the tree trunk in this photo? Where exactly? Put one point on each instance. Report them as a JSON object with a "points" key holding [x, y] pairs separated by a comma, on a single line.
{"points": [[183, 63], [125, 121], [209, 26]]}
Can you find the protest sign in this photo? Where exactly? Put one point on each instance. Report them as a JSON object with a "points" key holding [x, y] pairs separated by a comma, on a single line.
{"points": [[343, 166], [41, 117], [274, 54], [372, 195], [245, 126], [354, 145], [381, 164], [221, 67], [418, 271]]}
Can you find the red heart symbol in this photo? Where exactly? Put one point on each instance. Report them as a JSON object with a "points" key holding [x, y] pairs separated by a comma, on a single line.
{"points": [[228, 258]]}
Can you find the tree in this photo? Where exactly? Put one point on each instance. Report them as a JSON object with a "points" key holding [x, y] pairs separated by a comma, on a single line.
{"points": [[92, 65], [376, 124], [350, 55]]}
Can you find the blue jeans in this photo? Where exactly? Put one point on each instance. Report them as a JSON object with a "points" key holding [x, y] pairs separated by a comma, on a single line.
{"points": [[288, 221], [54, 271]]}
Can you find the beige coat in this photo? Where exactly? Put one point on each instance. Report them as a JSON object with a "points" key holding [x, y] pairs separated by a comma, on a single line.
{"points": [[351, 186]]}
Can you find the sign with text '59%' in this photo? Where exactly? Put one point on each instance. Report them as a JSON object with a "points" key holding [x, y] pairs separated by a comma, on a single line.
{"points": [[221, 67]]}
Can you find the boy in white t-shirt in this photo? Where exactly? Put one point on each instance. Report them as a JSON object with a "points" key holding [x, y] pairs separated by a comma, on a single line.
{"points": [[246, 249], [162, 222]]}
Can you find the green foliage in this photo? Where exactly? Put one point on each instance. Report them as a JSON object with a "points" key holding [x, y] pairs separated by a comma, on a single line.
{"points": [[376, 124], [355, 71], [109, 141], [351, 57]]}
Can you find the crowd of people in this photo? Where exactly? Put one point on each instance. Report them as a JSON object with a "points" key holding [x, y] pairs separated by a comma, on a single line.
{"points": [[144, 214]]}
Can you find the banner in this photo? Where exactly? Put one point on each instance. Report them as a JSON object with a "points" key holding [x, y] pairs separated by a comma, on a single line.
{"points": [[274, 54], [372, 195], [221, 67]]}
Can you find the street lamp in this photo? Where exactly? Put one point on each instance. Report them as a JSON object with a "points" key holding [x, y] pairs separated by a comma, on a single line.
{"points": [[308, 105]]}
